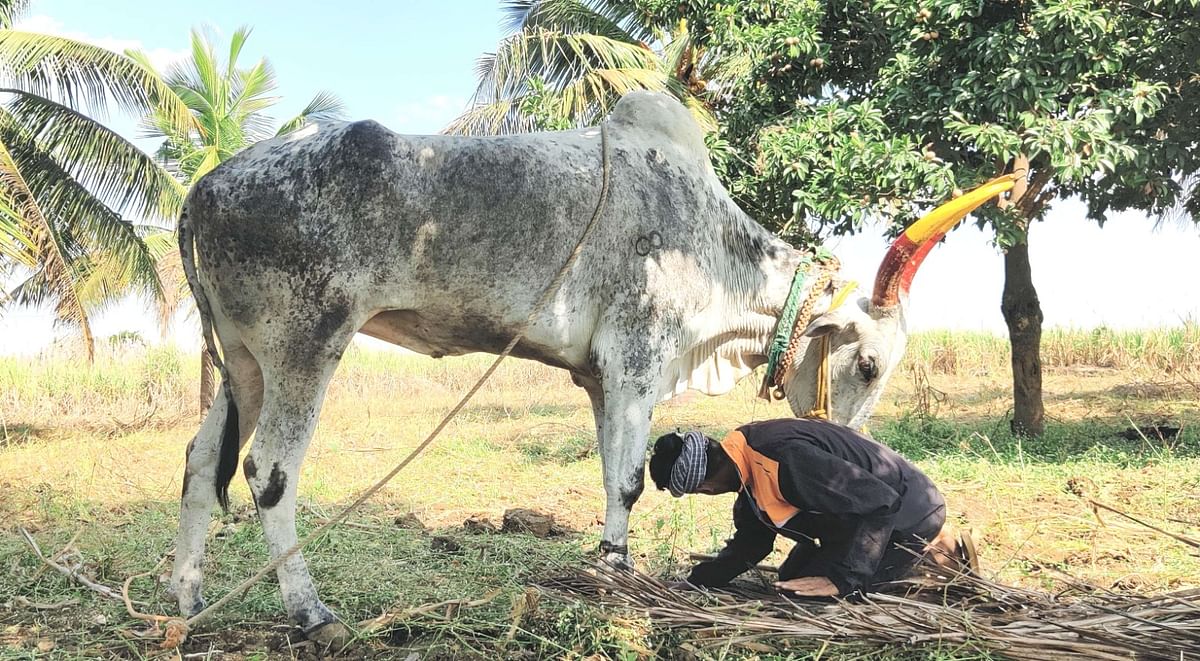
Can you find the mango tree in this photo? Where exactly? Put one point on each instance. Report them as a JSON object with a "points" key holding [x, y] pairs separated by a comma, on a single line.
{"points": [[836, 113]]}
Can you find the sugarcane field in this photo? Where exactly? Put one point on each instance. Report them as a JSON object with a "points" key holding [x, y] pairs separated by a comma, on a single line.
{"points": [[584, 329]]}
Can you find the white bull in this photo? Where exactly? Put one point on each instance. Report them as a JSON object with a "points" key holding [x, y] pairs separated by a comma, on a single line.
{"points": [[442, 244]]}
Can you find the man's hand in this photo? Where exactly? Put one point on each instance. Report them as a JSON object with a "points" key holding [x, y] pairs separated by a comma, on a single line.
{"points": [[808, 586]]}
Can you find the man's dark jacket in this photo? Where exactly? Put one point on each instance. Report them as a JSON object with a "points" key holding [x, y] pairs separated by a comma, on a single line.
{"points": [[810, 479]]}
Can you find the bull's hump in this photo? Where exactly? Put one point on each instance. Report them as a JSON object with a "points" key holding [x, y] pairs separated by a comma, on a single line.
{"points": [[658, 116]]}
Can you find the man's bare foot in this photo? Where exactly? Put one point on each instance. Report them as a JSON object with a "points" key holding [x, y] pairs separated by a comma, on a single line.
{"points": [[953, 550], [808, 586]]}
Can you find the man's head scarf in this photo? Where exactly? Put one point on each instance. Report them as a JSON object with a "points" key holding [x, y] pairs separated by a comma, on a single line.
{"points": [[689, 469]]}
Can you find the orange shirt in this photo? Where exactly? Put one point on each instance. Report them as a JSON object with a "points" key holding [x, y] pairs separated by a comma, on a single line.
{"points": [[760, 477]]}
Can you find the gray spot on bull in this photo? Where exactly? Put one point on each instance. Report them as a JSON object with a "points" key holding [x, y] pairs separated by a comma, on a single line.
{"points": [[271, 494], [248, 467], [630, 495], [332, 318]]}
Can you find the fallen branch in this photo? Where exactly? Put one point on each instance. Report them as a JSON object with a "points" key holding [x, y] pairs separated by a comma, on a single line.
{"points": [[73, 573], [58, 554], [451, 605], [1076, 488], [39, 606]]}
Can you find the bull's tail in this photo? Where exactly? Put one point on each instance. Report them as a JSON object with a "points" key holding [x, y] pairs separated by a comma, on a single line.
{"points": [[230, 433]]}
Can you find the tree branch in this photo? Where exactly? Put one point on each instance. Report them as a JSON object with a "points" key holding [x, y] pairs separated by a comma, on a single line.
{"points": [[1029, 198], [72, 573]]}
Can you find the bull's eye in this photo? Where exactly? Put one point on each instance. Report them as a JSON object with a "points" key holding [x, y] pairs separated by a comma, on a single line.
{"points": [[868, 368]]}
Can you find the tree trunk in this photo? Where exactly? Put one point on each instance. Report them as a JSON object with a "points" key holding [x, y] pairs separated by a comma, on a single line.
{"points": [[1023, 315], [207, 384]]}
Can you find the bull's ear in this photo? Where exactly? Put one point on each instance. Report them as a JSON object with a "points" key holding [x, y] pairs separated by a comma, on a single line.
{"points": [[830, 322]]}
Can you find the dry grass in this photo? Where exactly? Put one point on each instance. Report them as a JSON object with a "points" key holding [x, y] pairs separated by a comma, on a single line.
{"points": [[1161, 350]]}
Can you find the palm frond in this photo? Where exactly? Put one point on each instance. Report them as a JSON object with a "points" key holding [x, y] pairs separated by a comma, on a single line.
{"points": [[164, 249], [55, 269], [248, 89], [102, 161], [84, 76], [1076, 622], [566, 64], [679, 53], [323, 107], [615, 19], [700, 112], [495, 118], [203, 66], [205, 159], [556, 58], [16, 245], [594, 93], [97, 234], [236, 43], [10, 11]]}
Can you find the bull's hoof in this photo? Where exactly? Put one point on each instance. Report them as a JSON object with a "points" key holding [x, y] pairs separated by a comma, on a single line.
{"points": [[189, 600], [615, 556], [193, 609], [620, 561], [332, 636]]}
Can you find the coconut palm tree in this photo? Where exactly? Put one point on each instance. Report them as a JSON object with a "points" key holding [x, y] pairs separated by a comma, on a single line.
{"points": [[77, 200], [568, 61], [228, 107]]}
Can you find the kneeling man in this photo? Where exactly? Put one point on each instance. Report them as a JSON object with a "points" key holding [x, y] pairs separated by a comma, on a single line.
{"points": [[860, 513]]}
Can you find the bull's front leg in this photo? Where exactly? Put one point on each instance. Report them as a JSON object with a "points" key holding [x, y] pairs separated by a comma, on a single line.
{"points": [[628, 406]]}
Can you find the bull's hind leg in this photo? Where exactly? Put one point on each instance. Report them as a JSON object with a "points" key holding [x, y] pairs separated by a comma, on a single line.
{"points": [[295, 384], [199, 476]]}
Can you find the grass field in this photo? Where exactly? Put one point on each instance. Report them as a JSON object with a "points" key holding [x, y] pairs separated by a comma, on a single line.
{"points": [[96, 455]]}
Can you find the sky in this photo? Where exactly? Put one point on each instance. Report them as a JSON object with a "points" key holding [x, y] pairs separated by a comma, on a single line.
{"points": [[409, 64]]}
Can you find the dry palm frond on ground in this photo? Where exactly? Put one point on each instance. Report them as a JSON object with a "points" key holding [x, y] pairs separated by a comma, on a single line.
{"points": [[1079, 623]]}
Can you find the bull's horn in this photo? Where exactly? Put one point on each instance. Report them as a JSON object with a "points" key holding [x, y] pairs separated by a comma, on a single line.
{"points": [[910, 248]]}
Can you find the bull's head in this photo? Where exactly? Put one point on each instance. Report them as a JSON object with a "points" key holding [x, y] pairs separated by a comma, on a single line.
{"points": [[867, 338]]}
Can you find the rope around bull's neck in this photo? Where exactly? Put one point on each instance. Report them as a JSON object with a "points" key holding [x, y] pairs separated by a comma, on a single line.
{"points": [[177, 629], [825, 265]]}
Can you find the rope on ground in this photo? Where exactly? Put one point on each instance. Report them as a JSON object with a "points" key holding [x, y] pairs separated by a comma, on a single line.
{"points": [[174, 634], [177, 628]]}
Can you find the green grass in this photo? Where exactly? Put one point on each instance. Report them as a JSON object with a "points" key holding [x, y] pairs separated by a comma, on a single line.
{"points": [[98, 452]]}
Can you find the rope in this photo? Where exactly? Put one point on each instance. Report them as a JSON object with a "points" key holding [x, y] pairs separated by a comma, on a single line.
{"points": [[177, 628], [827, 266], [783, 327], [822, 404]]}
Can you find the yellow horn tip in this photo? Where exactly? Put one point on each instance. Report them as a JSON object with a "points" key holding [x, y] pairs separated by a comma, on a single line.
{"points": [[949, 214]]}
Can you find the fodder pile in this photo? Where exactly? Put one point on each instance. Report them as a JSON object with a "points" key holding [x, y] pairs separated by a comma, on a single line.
{"points": [[1080, 622]]}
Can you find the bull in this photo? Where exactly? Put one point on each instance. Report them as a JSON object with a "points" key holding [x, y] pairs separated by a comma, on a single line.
{"points": [[440, 244]]}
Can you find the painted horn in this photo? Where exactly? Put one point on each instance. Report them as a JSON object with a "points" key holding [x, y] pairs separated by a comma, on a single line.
{"points": [[910, 248]]}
